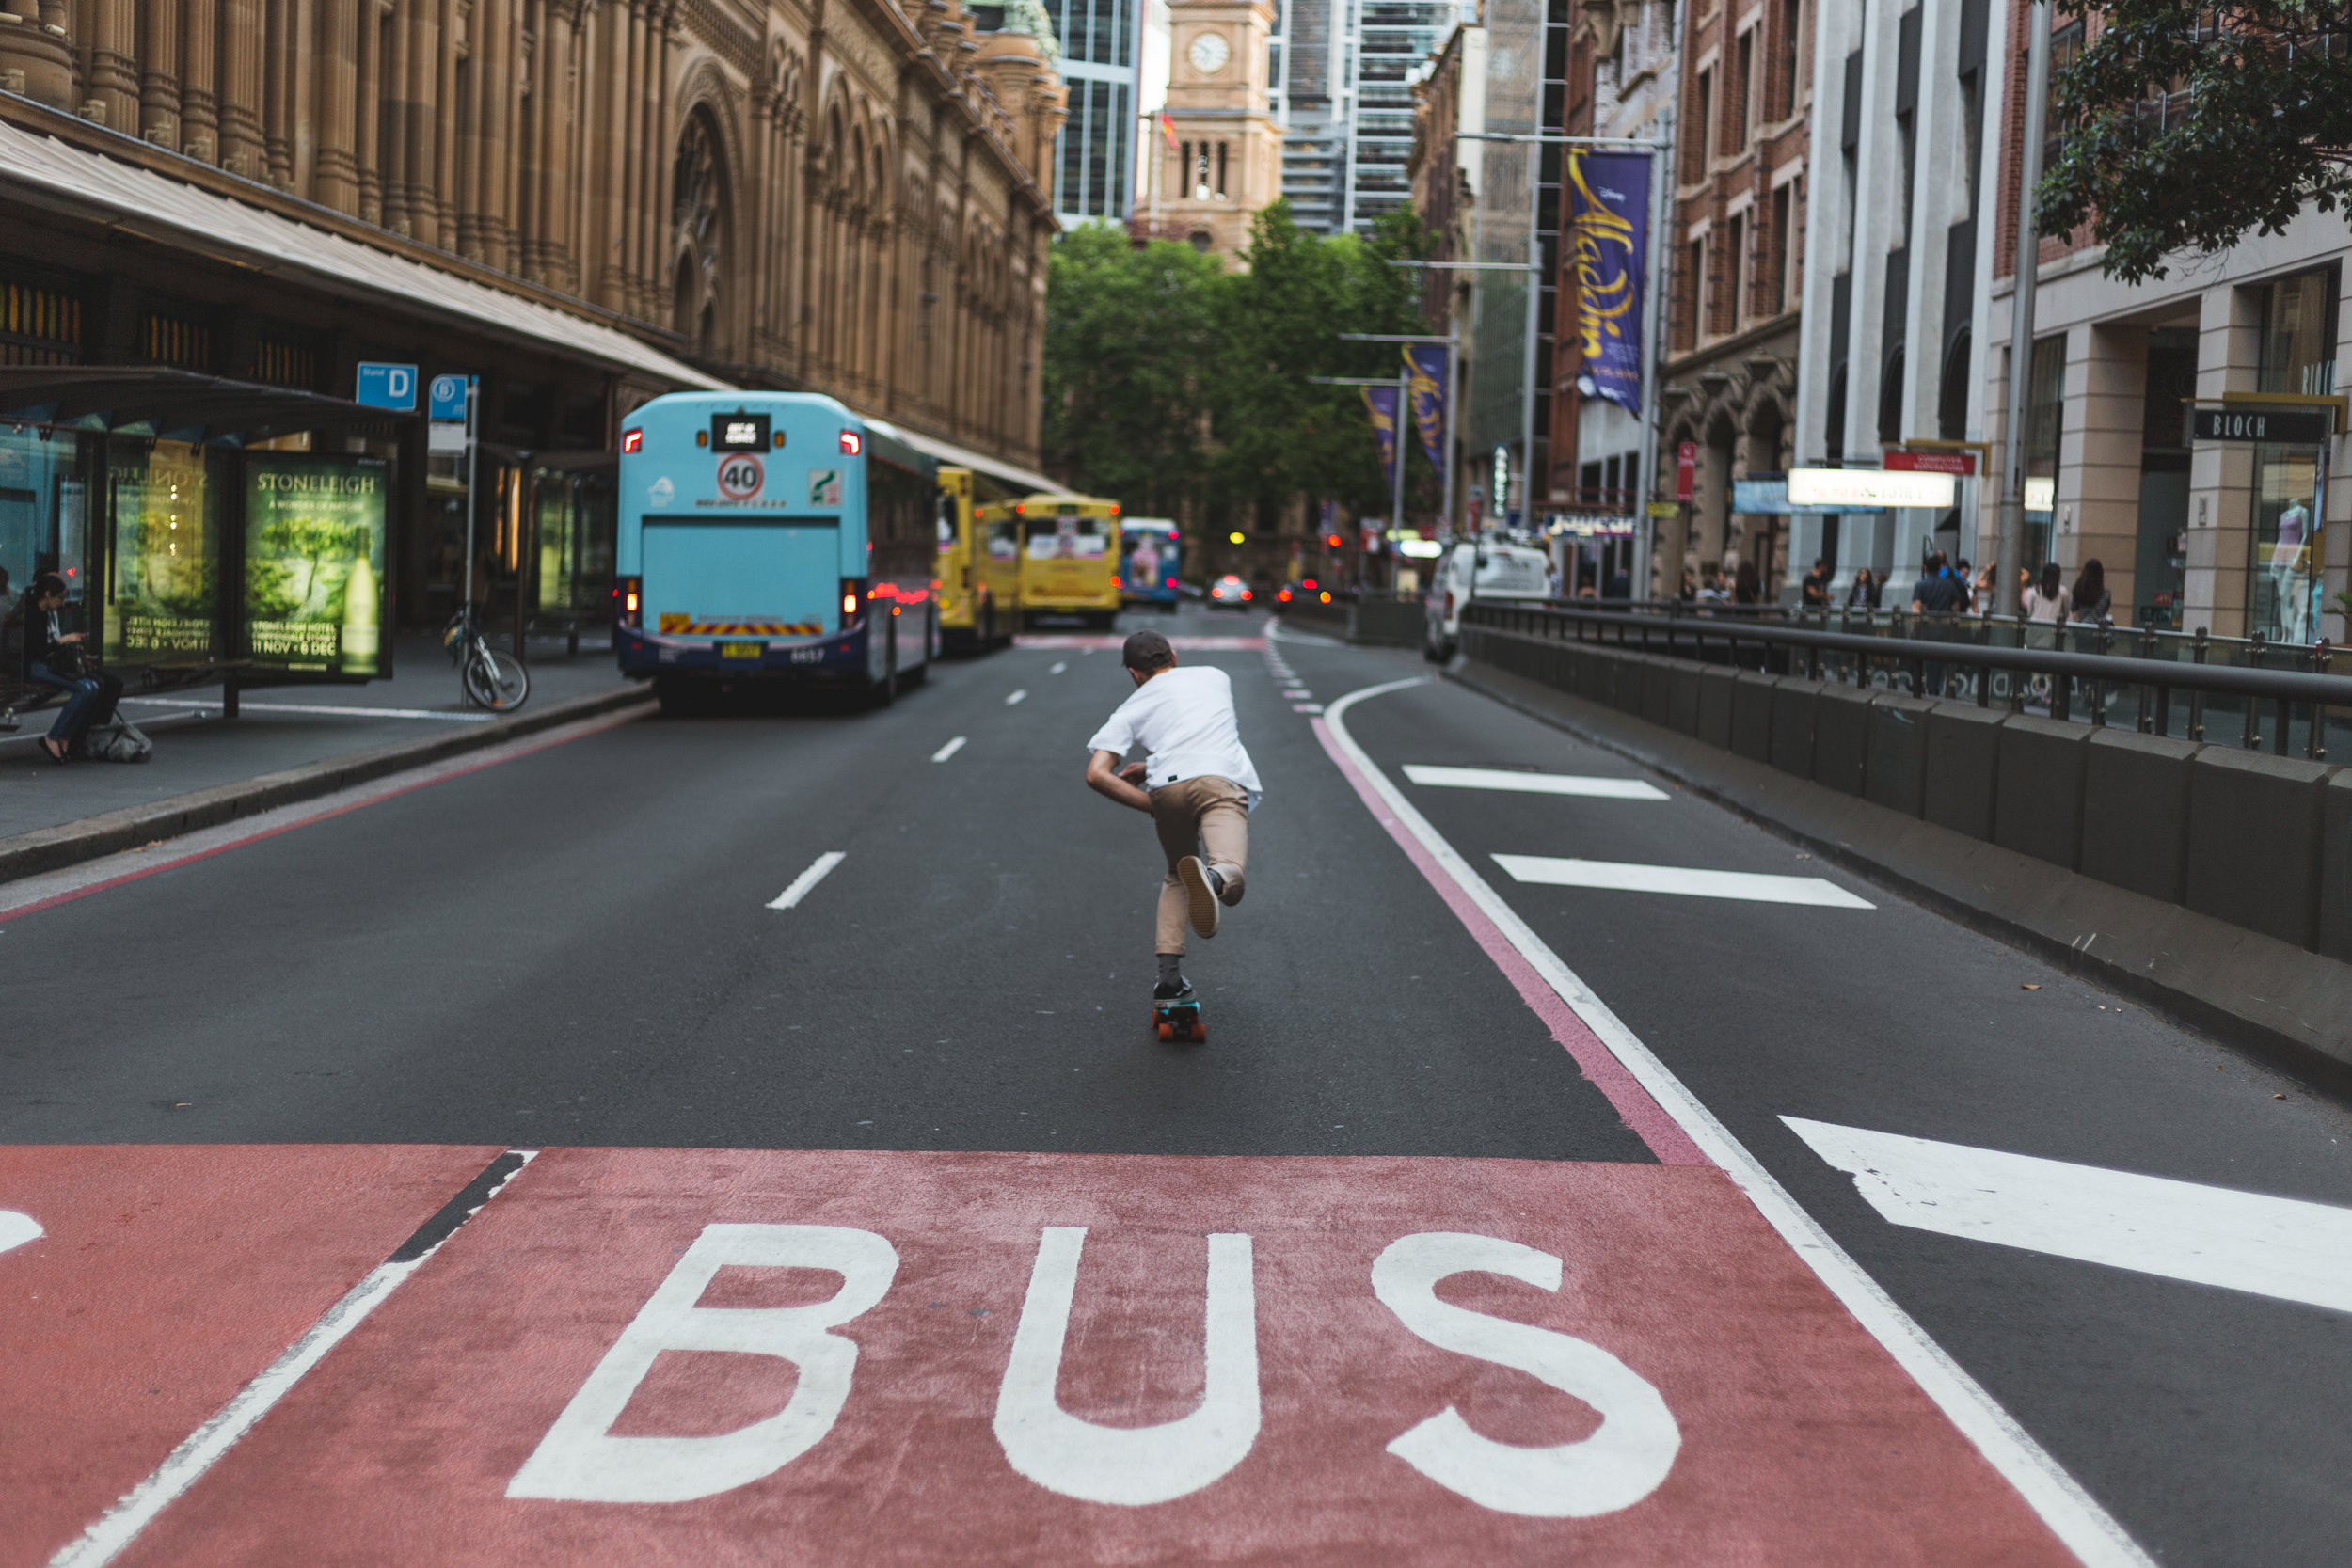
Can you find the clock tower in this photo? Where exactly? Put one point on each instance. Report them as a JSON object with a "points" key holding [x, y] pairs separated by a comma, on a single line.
{"points": [[1226, 164]]}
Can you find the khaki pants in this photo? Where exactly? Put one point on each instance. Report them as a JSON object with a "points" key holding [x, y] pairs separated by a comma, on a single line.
{"points": [[1208, 816]]}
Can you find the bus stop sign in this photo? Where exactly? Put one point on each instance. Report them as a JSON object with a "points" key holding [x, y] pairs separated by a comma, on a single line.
{"points": [[385, 385]]}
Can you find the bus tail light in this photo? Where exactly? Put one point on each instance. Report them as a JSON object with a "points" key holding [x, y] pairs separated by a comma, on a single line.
{"points": [[632, 440], [852, 443], [853, 602], [629, 601]]}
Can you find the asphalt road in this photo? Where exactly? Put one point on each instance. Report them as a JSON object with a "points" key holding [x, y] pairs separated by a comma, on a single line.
{"points": [[573, 949]]}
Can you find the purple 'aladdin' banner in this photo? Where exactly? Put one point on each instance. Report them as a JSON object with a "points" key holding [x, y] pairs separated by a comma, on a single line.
{"points": [[1381, 403], [1608, 238], [1426, 369]]}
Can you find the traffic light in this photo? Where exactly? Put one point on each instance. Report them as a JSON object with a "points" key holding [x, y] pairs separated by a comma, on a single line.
{"points": [[1235, 538], [1332, 540]]}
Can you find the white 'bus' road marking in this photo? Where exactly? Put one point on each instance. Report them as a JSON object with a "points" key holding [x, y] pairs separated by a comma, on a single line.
{"points": [[950, 750], [119, 1526], [2285, 1247], [2071, 1512], [1625, 876], [1016, 696], [1535, 784], [1058, 667], [808, 880]]}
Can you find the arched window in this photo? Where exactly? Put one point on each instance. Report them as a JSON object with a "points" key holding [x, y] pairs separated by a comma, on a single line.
{"points": [[1951, 403], [700, 231]]}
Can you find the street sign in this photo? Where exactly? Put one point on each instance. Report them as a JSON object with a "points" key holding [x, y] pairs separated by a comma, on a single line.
{"points": [[2301, 427], [1960, 464], [1665, 509], [387, 386], [446, 398], [1686, 470]]}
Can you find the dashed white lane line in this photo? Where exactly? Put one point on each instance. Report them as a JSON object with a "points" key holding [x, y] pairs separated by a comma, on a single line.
{"points": [[1306, 707], [1058, 667], [808, 880], [2286, 1248], [1627, 877], [2064, 1506], [950, 750], [1535, 784], [1017, 696]]}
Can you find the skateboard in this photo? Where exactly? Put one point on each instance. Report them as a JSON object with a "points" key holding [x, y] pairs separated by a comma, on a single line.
{"points": [[1178, 1018]]}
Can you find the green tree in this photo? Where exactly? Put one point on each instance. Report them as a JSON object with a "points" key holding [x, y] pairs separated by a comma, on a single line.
{"points": [[2185, 125], [1130, 345], [1280, 438]]}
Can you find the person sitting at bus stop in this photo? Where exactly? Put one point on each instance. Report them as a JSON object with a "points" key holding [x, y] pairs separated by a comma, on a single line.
{"points": [[1196, 783], [53, 658], [1816, 586]]}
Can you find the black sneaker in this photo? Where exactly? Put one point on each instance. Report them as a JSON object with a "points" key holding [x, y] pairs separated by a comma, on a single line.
{"points": [[1175, 992], [1217, 885]]}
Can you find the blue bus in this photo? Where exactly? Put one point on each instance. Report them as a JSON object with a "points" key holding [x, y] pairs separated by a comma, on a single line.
{"points": [[1148, 548], [771, 537]]}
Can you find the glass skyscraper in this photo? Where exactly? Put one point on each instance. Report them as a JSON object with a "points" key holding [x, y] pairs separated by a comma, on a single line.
{"points": [[1343, 99], [1097, 150]]}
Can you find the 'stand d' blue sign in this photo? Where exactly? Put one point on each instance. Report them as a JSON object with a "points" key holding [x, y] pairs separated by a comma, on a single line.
{"points": [[384, 386]]}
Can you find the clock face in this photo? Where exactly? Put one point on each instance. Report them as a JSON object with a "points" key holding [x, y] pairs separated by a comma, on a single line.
{"points": [[1209, 53]]}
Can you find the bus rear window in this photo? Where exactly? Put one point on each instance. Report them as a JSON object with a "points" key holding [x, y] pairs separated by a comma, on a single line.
{"points": [[1069, 536]]}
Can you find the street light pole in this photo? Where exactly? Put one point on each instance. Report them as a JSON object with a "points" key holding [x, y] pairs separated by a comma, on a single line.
{"points": [[2013, 553]]}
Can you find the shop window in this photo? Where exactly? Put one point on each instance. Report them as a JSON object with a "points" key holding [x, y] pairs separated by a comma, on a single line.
{"points": [[2299, 341], [2066, 47], [286, 360], [178, 339], [2046, 421], [40, 326]]}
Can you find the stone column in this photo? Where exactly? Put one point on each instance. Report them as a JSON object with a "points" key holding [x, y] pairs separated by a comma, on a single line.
{"points": [[282, 45], [33, 60], [335, 179], [444, 197], [242, 25], [2221, 474], [200, 83], [111, 84], [418, 120], [2098, 492], [395, 97], [159, 78], [367, 152]]}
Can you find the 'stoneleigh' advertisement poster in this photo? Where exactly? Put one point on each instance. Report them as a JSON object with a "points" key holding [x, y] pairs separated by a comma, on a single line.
{"points": [[314, 564]]}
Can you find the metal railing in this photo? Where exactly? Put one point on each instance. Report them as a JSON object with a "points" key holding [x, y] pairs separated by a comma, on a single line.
{"points": [[2022, 665]]}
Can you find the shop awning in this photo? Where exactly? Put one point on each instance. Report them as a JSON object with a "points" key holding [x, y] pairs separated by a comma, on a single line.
{"points": [[964, 457], [63, 178], [178, 403]]}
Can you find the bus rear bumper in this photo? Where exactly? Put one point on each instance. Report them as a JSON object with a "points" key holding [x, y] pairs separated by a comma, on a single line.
{"points": [[845, 656]]}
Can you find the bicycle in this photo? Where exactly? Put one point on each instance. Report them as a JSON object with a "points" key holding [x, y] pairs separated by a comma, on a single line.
{"points": [[497, 681]]}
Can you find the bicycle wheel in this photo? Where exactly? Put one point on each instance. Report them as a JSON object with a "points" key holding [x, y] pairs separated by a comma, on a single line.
{"points": [[497, 681]]}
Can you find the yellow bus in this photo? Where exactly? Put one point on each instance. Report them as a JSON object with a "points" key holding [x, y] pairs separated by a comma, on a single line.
{"points": [[979, 569], [1068, 555]]}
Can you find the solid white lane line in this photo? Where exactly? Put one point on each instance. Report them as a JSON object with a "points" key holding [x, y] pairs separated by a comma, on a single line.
{"points": [[1057, 669], [950, 750], [1627, 876], [808, 880], [339, 712], [2072, 1513], [2285, 1247], [119, 1526], [1535, 783], [1016, 696]]}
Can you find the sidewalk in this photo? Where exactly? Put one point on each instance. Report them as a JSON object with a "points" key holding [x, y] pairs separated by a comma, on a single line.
{"points": [[279, 727]]}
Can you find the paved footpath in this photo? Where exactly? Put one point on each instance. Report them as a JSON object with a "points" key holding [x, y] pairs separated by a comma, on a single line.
{"points": [[738, 1141]]}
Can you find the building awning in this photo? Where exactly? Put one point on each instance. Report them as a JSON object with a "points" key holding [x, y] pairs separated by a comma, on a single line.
{"points": [[54, 174], [964, 457], [178, 403]]}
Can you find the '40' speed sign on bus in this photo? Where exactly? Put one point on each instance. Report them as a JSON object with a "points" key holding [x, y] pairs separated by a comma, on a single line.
{"points": [[740, 476]]}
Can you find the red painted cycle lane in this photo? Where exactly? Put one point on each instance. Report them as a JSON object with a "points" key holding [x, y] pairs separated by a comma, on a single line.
{"points": [[711, 1357], [163, 1278]]}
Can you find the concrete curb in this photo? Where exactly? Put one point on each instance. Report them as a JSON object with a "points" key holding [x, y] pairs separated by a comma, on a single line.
{"points": [[2280, 1003], [49, 849]]}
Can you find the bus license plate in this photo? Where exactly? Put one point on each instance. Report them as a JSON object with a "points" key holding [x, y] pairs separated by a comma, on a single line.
{"points": [[741, 650]]}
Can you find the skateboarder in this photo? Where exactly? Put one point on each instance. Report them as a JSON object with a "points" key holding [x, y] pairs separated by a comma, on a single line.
{"points": [[1196, 781]]}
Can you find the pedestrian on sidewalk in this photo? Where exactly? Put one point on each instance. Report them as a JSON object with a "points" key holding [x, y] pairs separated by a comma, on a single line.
{"points": [[1196, 783], [50, 656]]}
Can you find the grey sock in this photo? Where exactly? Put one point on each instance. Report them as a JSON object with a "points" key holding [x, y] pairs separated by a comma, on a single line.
{"points": [[1172, 968]]}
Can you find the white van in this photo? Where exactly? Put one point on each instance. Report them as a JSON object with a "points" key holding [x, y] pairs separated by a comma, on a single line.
{"points": [[1486, 569]]}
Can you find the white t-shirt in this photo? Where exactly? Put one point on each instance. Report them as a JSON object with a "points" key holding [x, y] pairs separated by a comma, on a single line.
{"points": [[1184, 717]]}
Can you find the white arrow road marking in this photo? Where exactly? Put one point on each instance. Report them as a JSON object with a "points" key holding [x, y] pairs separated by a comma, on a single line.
{"points": [[950, 750], [1535, 784], [2271, 1246], [808, 880], [1625, 876], [16, 1229]]}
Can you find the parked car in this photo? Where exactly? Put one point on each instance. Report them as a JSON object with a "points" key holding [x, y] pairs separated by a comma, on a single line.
{"points": [[1228, 593], [1483, 569]]}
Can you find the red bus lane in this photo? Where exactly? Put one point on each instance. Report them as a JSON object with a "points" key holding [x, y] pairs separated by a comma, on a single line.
{"points": [[142, 1287], [719, 1357]]}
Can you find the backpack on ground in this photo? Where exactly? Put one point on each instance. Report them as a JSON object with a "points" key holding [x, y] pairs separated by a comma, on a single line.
{"points": [[120, 742]]}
